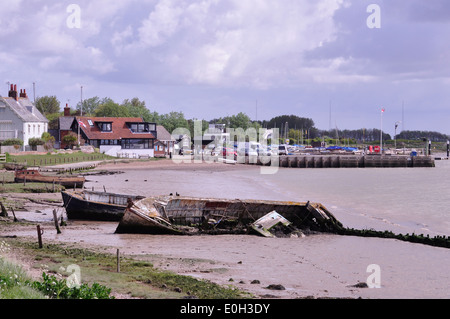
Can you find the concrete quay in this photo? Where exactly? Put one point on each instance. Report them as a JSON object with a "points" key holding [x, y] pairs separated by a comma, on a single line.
{"points": [[348, 161]]}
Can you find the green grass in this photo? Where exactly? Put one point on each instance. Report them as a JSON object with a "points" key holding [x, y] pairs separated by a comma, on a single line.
{"points": [[30, 188], [138, 278], [14, 280], [7, 185], [56, 159]]}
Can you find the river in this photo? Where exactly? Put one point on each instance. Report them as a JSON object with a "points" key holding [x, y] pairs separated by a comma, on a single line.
{"points": [[404, 200]]}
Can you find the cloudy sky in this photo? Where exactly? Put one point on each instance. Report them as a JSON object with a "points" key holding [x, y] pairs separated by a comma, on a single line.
{"points": [[213, 58]]}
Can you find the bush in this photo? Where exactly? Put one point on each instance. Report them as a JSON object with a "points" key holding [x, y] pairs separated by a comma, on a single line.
{"points": [[35, 141], [58, 289], [12, 141]]}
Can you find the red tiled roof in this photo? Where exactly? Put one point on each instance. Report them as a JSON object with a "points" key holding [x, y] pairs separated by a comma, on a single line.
{"points": [[119, 131]]}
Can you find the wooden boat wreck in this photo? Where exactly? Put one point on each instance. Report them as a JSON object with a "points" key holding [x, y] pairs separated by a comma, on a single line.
{"points": [[34, 176], [188, 215], [92, 205], [13, 166]]}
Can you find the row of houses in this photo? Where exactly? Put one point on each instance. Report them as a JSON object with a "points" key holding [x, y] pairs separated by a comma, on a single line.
{"points": [[115, 136]]}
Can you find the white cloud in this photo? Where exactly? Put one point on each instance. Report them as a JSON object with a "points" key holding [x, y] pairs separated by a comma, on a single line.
{"points": [[236, 43], [161, 24]]}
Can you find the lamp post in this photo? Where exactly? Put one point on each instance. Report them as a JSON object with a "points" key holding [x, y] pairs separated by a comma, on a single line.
{"points": [[381, 132], [395, 135]]}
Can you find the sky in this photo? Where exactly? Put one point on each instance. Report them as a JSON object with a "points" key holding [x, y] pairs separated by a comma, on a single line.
{"points": [[338, 62]]}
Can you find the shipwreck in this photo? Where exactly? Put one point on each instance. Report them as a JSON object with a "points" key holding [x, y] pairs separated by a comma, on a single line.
{"points": [[188, 215]]}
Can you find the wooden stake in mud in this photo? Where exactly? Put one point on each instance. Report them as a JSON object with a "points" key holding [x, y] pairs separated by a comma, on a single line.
{"points": [[3, 211], [118, 260], [55, 219], [39, 232], [14, 214]]}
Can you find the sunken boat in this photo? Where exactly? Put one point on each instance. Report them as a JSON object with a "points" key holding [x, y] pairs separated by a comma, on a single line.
{"points": [[189, 215], [34, 176], [93, 205]]}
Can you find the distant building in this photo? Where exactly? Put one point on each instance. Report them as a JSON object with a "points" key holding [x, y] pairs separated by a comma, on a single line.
{"points": [[165, 143], [64, 127], [19, 118], [117, 136]]}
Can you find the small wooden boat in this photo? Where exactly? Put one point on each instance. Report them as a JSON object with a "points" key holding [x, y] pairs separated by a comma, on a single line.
{"points": [[170, 215], [13, 166], [34, 176], [92, 205]]}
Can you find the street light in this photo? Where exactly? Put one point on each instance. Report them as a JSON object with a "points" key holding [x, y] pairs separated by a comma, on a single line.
{"points": [[395, 136]]}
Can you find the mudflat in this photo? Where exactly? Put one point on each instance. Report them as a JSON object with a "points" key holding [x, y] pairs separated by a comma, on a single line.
{"points": [[321, 265]]}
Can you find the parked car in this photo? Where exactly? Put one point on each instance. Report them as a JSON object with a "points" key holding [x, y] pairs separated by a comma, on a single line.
{"points": [[228, 152], [279, 150]]}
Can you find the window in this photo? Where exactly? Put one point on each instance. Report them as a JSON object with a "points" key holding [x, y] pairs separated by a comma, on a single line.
{"points": [[90, 123], [109, 142], [137, 144], [141, 127], [105, 127]]}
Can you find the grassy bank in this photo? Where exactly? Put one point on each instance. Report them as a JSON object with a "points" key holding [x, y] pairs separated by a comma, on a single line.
{"points": [[136, 279], [56, 159], [14, 280], [7, 185]]}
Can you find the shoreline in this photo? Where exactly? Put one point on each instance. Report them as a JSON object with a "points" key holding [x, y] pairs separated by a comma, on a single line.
{"points": [[322, 265]]}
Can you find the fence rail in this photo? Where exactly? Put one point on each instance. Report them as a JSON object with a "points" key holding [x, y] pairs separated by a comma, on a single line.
{"points": [[2, 158]]}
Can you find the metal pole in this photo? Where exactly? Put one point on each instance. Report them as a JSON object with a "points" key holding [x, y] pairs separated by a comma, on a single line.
{"points": [[381, 132], [448, 148], [81, 107]]}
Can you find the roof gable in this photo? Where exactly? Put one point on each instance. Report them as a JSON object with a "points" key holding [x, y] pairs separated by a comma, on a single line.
{"points": [[24, 109]]}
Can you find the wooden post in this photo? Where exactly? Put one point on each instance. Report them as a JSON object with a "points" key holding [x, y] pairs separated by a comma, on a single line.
{"points": [[118, 260], [39, 232], [55, 219], [3, 211], [14, 214]]}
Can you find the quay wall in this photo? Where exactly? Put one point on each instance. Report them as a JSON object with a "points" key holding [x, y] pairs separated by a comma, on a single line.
{"points": [[347, 161]]}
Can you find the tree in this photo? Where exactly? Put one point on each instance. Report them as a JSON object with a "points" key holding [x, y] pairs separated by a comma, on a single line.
{"points": [[48, 104], [70, 139], [90, 105], [240, 120], [112, 109], [173, 120], [137, 108], [49, 140], [293, 121]]}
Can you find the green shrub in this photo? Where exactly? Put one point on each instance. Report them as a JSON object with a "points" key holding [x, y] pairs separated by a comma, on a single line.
{"points": [[58, 289], [12, 141]]}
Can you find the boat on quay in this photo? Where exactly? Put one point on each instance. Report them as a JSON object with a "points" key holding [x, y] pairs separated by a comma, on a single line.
{"points": [[190, 215], [34, 176], [94, 205]]}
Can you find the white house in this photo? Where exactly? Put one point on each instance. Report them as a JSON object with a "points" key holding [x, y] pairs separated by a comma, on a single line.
{"points": [[19, 118]]}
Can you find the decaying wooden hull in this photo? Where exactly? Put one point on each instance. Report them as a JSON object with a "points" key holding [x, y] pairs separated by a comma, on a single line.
{"points": [[92, 205], [222, 214], [33, 176]]}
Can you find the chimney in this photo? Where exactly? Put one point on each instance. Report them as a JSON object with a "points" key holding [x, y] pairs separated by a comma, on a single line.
{"points": [[13, 92], [23, 94], [67, 110]]}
